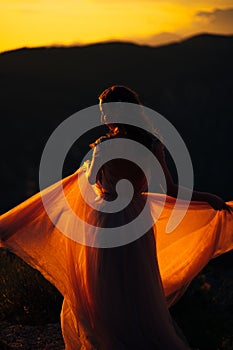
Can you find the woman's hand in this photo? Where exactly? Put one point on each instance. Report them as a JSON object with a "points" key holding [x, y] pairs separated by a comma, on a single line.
{"points": [[86, 164], [218, 203]]}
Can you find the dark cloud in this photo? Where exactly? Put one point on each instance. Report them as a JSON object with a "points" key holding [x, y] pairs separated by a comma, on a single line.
{"points": [[218, 20]]}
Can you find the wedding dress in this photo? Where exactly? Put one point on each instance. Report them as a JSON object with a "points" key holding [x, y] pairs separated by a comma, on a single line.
{"points": [[116, 298]]}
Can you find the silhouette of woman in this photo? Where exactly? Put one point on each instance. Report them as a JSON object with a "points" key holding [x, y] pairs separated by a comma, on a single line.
{"points": [[118, 298]]}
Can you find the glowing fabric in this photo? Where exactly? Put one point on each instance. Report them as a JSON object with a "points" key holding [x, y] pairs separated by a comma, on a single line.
{"points": [[93, 280]]}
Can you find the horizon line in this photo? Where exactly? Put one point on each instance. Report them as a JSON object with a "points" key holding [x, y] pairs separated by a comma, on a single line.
{"points": [[117, 41]]}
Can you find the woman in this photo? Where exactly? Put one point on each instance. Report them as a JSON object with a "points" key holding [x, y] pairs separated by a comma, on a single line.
{"points": [[114, 298]]}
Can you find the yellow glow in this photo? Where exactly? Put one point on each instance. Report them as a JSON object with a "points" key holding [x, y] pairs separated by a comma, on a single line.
{"points": [[48, 22]]}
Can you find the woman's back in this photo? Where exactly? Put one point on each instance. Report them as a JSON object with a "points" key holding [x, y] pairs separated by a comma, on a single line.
{"points": [[116, 169], [128, 307]]}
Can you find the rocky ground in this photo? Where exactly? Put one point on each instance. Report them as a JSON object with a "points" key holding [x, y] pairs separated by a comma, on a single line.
{"points": [[25, 337]]}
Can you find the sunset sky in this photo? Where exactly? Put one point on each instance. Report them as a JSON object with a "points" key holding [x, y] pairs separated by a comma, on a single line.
{"points": [[68, 22]]}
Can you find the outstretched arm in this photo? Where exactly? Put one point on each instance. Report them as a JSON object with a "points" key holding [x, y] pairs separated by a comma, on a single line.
{"points": [[172, 189]]}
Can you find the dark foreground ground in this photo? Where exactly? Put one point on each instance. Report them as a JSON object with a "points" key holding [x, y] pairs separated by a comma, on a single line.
{"points": [[30, 307], [26, 337]]}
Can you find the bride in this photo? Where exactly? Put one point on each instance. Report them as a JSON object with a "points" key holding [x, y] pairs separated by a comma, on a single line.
{"points": [[119, 298]]}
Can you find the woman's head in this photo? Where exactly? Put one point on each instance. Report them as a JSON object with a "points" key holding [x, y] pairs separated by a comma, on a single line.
{"points": [[119, 93], [126, 115], [112, 112]]}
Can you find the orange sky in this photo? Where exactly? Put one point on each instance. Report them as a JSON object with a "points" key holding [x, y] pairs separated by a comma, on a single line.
{"points": [[52, 22]]}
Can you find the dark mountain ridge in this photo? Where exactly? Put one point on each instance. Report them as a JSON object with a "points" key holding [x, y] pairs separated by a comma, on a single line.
{"points": [[189, 82]]}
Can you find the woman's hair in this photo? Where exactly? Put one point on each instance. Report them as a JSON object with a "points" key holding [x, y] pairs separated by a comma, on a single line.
{"points": [[121, 93]]}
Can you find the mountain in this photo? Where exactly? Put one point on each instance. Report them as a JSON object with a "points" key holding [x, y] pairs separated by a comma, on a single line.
{"points": [[159, 39], [188, 82]]}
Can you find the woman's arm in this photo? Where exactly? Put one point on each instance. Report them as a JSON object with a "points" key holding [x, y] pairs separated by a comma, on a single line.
{"points": [[172, 189], [92, 167]]}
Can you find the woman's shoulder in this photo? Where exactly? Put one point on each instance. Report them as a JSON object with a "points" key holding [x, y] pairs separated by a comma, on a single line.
{"points": [[101, 139], [155, 140]]}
